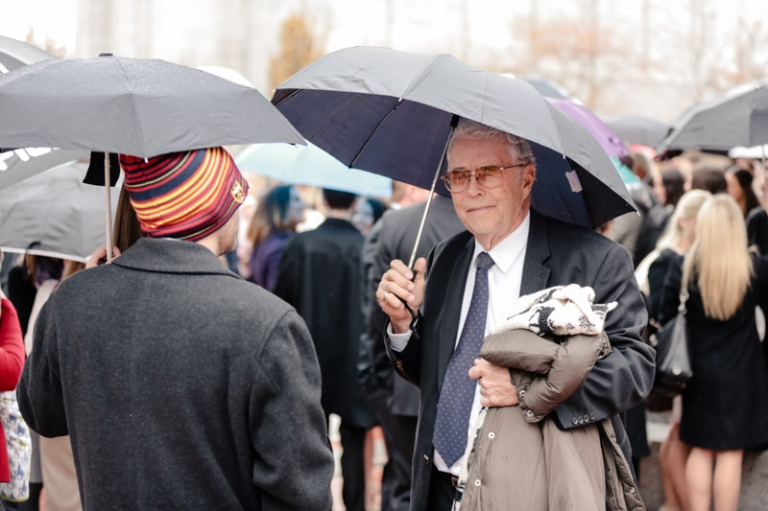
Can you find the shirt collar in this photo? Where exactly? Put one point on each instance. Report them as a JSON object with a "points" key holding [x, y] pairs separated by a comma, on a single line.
{"points": [[507, 250]]}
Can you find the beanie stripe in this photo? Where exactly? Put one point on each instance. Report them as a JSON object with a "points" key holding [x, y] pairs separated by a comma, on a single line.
{"points": [[184, 195]]}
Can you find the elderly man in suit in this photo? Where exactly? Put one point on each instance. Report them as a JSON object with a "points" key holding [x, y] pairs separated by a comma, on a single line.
{"points": [[469, 286]]}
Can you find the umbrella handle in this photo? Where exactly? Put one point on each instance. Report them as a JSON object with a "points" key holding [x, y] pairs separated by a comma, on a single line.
{"points": [[454, 122]]}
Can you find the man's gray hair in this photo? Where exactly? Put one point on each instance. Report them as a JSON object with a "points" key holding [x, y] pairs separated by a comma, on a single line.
{"points": [[519, 148]]}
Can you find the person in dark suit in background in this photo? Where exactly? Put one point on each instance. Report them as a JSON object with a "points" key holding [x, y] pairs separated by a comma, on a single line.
{"points": [[395, 401], [475, 278], [319, 274]]}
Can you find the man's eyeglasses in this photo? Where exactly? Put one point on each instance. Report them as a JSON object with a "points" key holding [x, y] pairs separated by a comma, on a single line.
{"points": [[489, 177]]}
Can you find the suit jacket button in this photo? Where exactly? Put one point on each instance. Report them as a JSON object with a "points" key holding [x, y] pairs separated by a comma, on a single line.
{"points": [[529, 413], [581, 420], [586, 418], [426, 459], [592, 416], [575, 421]]}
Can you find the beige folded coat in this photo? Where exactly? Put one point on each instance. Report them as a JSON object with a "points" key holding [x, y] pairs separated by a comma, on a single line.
{"points": [[518, 460]]}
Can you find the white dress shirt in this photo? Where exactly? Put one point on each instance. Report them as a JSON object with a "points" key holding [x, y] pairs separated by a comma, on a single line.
{"points": [[504, 279]]}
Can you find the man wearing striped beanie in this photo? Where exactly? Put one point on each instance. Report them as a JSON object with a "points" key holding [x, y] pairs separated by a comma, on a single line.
{"points": [[187, 196], [181, 385]]}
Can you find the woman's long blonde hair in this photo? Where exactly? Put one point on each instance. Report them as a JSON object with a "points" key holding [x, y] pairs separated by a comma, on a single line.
{"points": [[687, 207], [719, 258]]}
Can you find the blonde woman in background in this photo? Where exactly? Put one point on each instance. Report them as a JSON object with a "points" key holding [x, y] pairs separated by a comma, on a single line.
{"points": [[672, 246], [725, 405]]}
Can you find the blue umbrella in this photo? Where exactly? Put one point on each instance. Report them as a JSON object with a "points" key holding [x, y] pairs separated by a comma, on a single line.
{"points": [[312, 166]]}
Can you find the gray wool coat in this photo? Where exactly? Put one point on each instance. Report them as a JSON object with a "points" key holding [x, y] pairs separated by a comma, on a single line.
{"points": [[181, 385]]}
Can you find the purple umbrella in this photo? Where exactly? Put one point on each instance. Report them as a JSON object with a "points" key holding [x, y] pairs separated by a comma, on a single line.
{"points": [[602, 133]]}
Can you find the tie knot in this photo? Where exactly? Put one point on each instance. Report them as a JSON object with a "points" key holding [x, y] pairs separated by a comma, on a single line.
{"points": [[484, 261]]}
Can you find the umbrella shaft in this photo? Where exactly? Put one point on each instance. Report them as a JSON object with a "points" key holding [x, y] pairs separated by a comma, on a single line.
{"points": [[109, 206], [454, 122]]}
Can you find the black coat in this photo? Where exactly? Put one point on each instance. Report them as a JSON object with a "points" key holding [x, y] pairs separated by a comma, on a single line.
{"points": [[556, 254], [320, 275], [757, 229], [657, 275], [725, 405], [181, 385]]}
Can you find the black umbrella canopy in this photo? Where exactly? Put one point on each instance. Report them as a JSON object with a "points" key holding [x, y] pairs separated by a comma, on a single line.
{"points": [[739, 118], [132, 106], [389, 112]]}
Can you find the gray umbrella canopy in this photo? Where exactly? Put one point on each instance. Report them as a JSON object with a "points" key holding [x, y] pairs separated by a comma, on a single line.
{"points": [[389, 112], [740, 118], [633, 129], [55, 213], [132, 106], [20, 164], [15, 53]]}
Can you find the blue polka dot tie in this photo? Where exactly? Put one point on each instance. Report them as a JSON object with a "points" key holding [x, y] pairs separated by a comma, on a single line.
{"points": [[458, 392]]}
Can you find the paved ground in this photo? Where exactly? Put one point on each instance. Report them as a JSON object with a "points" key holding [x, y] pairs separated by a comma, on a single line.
{"points": [[377, 453]]}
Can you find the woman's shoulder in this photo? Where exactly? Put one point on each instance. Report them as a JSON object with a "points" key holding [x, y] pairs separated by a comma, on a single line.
{"points": [[760, 265], [666, 258]]}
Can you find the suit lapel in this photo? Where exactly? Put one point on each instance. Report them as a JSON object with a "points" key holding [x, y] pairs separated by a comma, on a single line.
{"points": [[536, 267], [449, 327]]}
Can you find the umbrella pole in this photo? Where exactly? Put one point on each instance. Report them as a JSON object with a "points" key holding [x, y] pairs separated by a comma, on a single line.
{"points": [[765, 177], [108, 215], [454, 122]]}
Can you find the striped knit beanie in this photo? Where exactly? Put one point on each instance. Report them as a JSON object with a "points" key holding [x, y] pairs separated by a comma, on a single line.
{"points": [[186, 195]]}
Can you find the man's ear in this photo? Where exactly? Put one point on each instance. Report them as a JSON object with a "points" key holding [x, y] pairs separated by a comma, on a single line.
{"points": [[529, 176]]}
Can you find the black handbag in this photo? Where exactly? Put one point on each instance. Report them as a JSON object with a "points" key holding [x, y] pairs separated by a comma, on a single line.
{"points": [[673, 364]]}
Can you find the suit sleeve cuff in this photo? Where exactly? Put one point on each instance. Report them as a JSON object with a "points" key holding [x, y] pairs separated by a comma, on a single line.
{"points": [[397, 342]]}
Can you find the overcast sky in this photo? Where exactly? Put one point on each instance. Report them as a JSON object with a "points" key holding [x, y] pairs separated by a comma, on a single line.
{"points": [[475, 30], [353, 22]]}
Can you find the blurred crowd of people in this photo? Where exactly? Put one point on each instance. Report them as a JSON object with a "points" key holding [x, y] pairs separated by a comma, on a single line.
{"points": [[701, 226], [702, 232]]}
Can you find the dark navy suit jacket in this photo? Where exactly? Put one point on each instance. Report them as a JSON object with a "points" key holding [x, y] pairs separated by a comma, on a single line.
{"points": [[557, 254]]}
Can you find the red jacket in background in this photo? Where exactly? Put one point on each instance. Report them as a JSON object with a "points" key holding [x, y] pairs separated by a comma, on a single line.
{"points": [[11, 364]]}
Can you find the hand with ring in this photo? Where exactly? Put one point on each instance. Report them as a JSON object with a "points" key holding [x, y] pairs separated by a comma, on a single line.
{"points": [[399, 283]]}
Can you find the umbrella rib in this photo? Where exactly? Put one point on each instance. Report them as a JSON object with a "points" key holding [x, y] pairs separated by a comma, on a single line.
{"points": [[289, 96], [368, 141], [135, 107]]}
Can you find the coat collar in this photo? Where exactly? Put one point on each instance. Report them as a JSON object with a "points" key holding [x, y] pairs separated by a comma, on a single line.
{"points": [[536, 267], [171, 256], [337, 223]]}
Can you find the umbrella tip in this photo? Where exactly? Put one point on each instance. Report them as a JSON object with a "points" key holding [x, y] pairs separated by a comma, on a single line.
{"points": [[105, 55]]}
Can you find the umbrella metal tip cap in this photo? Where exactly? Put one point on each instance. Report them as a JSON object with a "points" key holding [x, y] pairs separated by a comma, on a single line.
{"points": [[105, 55]]}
